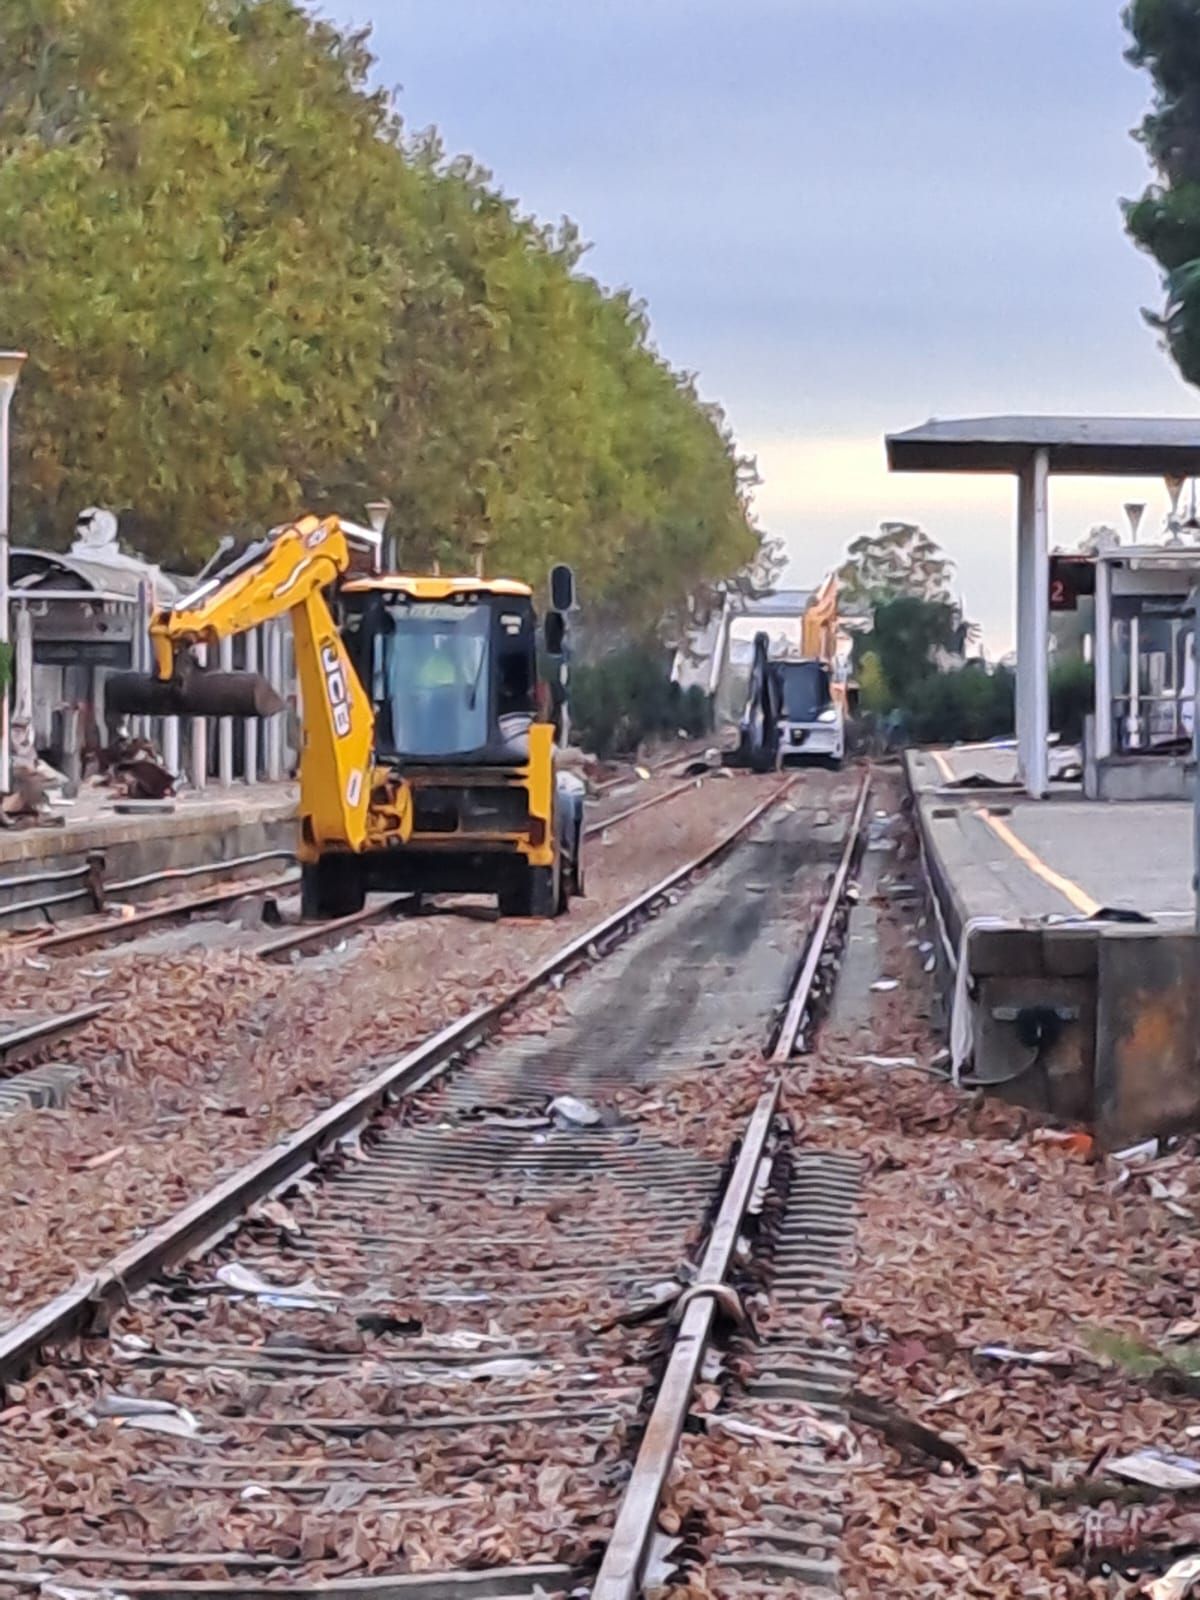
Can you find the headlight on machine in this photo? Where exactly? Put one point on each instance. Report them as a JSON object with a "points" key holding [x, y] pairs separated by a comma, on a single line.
{"points": [[828, 715]]}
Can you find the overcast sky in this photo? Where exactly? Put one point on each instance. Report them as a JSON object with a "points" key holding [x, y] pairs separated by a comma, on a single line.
{"points": [[846, 216]]}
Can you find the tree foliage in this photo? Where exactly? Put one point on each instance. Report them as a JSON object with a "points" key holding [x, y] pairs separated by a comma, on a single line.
{"points": [[910, 637], [627, 696], [244, 289], [901, 559], [1165, 221]]}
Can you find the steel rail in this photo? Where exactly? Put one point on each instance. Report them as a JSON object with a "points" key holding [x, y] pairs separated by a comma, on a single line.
{"points": [[601, 823], [207, 1217], [801, 997], [620, 1575], [313, 935], [33, 1035], [58, 940]]}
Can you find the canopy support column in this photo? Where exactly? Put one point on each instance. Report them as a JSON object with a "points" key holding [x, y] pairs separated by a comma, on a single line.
{"points": [[1033, 625], [1102, 662]]}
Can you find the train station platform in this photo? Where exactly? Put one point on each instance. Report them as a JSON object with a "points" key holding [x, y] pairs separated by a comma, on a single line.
{"points": [[1067, 928], [93, 845]]}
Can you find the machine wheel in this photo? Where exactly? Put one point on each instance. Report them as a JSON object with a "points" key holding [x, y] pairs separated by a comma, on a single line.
{"points": [[334, 886], [539, 894]]}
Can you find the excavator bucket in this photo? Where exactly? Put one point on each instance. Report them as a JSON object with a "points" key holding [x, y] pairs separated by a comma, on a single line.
{"points": [[199, 694]]}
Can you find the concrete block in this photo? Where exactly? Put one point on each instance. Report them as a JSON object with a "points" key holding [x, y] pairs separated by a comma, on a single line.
{"points": [[1147, 1033], [1058, 1078], [1070, 952], [1006, 952]]}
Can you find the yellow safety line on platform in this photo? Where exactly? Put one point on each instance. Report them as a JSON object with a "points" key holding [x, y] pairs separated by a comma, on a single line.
{"points": [[943, 766], [1079, 898]]}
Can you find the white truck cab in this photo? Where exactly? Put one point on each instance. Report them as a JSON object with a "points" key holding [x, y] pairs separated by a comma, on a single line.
{"points": [[813, 720]]}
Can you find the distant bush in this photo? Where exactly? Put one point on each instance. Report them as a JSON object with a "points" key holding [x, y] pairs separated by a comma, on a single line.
{"points": [[626, 697], [1072, 697], [963, 706]]}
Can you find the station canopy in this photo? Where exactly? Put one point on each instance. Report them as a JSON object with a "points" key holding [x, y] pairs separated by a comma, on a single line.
{"points": [[1131, 447]]}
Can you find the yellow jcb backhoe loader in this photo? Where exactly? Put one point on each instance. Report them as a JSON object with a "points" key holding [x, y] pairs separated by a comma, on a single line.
{"points": [[425, 765]]}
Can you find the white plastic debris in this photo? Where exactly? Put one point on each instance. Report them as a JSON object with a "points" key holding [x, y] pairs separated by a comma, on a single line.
{"points": [[660, 1568], [1177, 1581], [276, 1213], [304, 1296], [1146, 1151], [153, 1416], [570, 1112], [1027, 1358], [885, 985], [884, 1061], [1158, 1468]]}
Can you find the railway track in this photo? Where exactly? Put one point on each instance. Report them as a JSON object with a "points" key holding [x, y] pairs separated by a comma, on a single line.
{"points": [[414, 1351], [224, 898]]}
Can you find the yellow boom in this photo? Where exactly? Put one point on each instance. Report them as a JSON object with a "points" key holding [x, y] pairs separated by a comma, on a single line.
{"points": [[287, 574]]}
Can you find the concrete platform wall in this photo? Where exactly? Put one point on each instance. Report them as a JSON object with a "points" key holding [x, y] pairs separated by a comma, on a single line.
{"points": [[1094, 1022], [39, 864]]}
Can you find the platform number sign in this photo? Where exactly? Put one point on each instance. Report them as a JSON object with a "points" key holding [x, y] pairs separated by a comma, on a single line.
{"points": [[1070, 577], [337, 689]]}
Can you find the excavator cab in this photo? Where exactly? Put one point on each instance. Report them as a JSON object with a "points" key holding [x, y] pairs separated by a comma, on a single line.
{"points": [[451, 679], [450, 668]]}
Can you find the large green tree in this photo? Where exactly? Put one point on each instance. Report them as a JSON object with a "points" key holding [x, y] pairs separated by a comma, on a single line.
{"points": [[245, 290], [901, 559], [1166, 220]]}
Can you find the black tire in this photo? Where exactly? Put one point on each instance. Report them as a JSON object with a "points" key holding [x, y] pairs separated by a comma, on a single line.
{"points": [[334, 886], [537, 894]]}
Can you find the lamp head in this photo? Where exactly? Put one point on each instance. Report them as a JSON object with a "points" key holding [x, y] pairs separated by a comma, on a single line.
{"points": [[378, 511], [11, 362]]}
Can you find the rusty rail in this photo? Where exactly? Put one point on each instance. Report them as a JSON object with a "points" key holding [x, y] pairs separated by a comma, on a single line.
{"points": [[802, 994], [620, 1574]]}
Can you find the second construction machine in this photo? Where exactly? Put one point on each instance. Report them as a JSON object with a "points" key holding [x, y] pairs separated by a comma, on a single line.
{"points": [[426, 764]]}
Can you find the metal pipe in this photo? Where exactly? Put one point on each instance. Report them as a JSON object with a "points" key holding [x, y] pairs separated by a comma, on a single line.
{"points": [[200, 736], [124, 885], [170, 874]]}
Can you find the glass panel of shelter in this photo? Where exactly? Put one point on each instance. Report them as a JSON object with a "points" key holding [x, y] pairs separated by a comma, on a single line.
{"points": [[1153, 707]]}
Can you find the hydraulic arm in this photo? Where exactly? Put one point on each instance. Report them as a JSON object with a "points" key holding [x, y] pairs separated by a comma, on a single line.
{"points": [[286, 574]]}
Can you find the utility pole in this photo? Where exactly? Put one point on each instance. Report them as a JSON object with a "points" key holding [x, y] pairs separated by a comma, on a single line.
{"points": [[11, 362]]}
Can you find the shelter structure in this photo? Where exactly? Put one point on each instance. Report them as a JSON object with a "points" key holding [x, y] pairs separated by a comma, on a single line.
{"points": [[1031, 450], [81, 614]]}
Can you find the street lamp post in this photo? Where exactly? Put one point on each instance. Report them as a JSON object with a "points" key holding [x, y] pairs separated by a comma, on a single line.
{"points": [[11, 362], [378, 512]]}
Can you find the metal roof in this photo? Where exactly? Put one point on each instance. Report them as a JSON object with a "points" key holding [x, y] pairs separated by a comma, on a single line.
{"points": [[39, 572], [1085, 446], [434, 588]]}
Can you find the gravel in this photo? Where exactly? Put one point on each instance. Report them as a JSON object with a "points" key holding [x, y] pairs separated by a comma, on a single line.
{"points": [[207, 1054]]}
